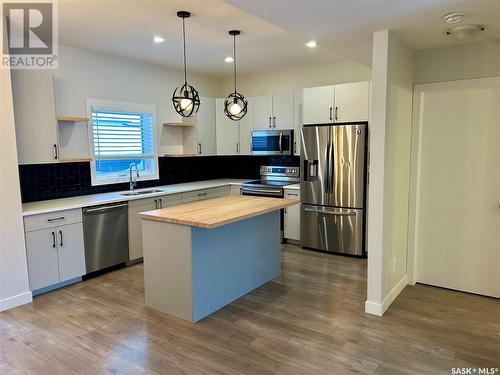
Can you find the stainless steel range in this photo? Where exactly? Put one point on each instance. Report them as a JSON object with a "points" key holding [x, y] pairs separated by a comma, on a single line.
{"points": [[272, 181]]}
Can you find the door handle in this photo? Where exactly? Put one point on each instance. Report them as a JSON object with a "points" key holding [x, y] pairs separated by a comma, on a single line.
{"points": [[105, 208], [161, 202], [199, 148], [156, 204], [280, 142], [55, 219], [336, 113], [237, 147], [61, 236], [55, 152], [274, 121], [53, 239], [270, 121], [331, 114], [330, 212]]}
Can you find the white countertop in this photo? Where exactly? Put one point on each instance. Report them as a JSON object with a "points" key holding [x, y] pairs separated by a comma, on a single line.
{"points": [[53, 205]]}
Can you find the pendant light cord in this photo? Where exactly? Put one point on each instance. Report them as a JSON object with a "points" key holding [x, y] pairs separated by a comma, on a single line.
{"points": [[184, 43], [234, 60]]}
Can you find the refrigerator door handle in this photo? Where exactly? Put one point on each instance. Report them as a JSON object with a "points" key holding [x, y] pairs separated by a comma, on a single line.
{"points": [[330, 212]]}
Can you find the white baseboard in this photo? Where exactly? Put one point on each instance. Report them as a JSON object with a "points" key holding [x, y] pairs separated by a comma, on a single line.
{"points": [[17, 300], [373, 308], [378, 309]]}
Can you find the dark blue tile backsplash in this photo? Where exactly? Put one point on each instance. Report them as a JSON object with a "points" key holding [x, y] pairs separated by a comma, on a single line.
{"points": [[60, 180]]}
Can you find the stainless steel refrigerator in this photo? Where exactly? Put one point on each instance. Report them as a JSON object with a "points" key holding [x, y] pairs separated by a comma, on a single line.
{"points": [[332, 187]]}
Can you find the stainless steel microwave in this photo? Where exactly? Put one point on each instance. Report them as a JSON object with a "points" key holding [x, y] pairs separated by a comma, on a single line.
{"points": [[272, 142]]}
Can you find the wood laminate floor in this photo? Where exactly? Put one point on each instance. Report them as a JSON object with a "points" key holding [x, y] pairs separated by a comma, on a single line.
{"points": [[308, 321]]}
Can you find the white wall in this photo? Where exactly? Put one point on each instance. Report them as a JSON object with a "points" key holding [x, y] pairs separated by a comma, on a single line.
{"points": [[289, 80], [471, 60], [86, 74], [390, 148], [14, 288]]}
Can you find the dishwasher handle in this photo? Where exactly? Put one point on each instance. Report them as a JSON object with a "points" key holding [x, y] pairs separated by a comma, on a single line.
{"points": [[104, 208]]}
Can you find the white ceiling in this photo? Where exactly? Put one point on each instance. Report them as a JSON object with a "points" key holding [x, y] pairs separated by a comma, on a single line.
{"points": [[126, 28], [273, 31], [346, 26]]}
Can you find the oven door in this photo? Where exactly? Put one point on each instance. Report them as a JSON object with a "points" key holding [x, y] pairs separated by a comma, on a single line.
{"points": [[272, 142], [262, 191]]}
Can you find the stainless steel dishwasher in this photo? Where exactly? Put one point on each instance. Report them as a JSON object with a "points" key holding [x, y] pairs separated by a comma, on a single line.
{"points": [[106, 236]]}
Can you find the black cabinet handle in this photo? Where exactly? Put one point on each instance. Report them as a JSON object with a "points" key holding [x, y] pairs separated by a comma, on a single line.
{"points": [[274, 121], [53, 239], [55, 151], [161, 202], [156, 204], [199, 148], [336, 113], [331, 114], [61, 236], [270, 121]]}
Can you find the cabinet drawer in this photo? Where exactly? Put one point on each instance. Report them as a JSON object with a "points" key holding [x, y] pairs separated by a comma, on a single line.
{"points": [[197, 195], [292, 194], [42, 221]]}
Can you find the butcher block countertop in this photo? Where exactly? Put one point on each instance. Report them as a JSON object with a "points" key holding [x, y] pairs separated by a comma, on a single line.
{"points": [[212, 213]]}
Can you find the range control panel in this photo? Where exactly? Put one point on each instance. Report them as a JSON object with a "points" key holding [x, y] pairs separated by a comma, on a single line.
{"points": [[270, 170]]}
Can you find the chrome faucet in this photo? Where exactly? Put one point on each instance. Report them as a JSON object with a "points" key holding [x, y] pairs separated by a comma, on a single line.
{"points": [[131, 180]]}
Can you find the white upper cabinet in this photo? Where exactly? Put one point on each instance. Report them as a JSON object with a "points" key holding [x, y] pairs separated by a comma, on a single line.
{"points": [[246, 127], [351, 101], [346, 102], [35, 117], [283, 111], [318, 104], [263, 112], [298, 102], [206, 127], [226, 131]]}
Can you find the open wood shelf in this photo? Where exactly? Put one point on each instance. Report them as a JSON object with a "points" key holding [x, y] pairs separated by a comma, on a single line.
{"points": [[179, 124], [72, 119], [79, 160], [180, 155]]}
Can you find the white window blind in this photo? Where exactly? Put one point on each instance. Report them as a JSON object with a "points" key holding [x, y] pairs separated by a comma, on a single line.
{"points": [[122, 135]]}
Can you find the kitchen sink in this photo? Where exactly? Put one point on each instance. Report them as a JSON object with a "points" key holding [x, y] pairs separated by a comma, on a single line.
{"points": [[142, 192]]}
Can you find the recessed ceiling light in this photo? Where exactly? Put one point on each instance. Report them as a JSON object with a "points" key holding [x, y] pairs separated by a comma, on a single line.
{"points": [[158, 39], [453, 17], [311, 44], [228, 59]]}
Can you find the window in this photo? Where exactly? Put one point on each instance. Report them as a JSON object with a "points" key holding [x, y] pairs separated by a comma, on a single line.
{"points": [[121, 134]]}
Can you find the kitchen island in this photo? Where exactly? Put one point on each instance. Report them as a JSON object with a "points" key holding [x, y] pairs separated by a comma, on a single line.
{"points": [[201, 256]]}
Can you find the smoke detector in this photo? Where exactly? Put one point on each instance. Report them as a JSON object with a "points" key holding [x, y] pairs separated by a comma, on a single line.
{"points": [[465, 31], [453, 17]]}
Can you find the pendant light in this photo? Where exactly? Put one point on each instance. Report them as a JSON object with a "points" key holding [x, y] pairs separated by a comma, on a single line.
{"points": [[186, 99], [235, 105]]}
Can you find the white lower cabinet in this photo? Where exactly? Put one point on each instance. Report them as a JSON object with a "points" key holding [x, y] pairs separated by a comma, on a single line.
{"points": [[55, 253], [135, 251], [292, 216]]}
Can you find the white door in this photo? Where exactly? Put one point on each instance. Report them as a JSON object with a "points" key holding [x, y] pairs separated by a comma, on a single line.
{"points": [[298, 98], [263, 112], [35, 117], [351, 101], [246, 127], [205, 125], [292, 216], [41, 253], [457, 235], [283, 111], [318, 104], [70, 251], [226, 130]]}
